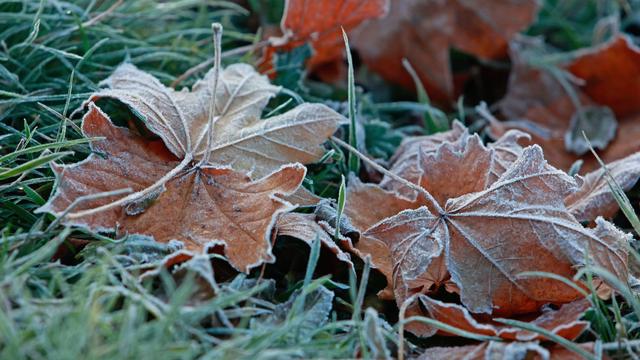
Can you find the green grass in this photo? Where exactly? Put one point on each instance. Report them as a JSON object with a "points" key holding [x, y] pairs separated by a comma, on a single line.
{"points": [[91, 304]]}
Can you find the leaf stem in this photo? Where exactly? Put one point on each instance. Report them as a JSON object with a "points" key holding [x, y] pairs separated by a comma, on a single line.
{"points": [[216, 28], [395, 177]]}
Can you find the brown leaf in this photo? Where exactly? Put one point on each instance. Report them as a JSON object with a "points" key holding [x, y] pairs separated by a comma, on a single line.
{"points": [[611, 74], [537, 103], [502, 350], [305, 228], [201, 207], [519, 223], [425, 31], [320, 22], [240, 139], [594, 198], [416, 239], [564, 322]]}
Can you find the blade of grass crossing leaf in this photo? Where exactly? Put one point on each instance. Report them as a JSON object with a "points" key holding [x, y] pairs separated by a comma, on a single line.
{"points": [[553, 276], [314, 255], [430, 122], [33, 164], [621, 329], [600, 309], [617, 284], [451, 329], [460, 107], [354, 162], [569, 345], [341, 203], [617, 191]]}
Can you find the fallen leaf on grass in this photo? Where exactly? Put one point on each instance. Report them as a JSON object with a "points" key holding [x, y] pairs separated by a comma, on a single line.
{"points": [[489, 236], [240, 139], [485, 215], [594, 198], [605, 83], [611, 74], [564, 322], [320, 22], [200, 207], [424, 32], [500, 350]]}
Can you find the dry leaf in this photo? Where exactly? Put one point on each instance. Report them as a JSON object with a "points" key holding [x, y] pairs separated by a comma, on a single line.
{"points": [[425, 31], [594, 198], [240, 139], [305, 228], [517, 224], [200, 207], [564, 322], [320, 22], [611, 74], [416, 239], [538, 104], [502, 350]]}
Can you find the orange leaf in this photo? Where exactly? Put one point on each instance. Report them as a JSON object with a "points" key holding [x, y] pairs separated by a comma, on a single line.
{"points": [[319, 22], [594, 198], [537, 104], [501, 350], [200, 207], [563, 322], [611, 73], [425, 31]]}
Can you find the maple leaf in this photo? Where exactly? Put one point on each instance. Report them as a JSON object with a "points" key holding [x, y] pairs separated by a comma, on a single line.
{"points": [[424, 31], [320, 22], [505, 350], [201, 206], [409, 163], [564, 322], [594, 197], [539, 104], [238, 138], [481, 216], [517, 224]]}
